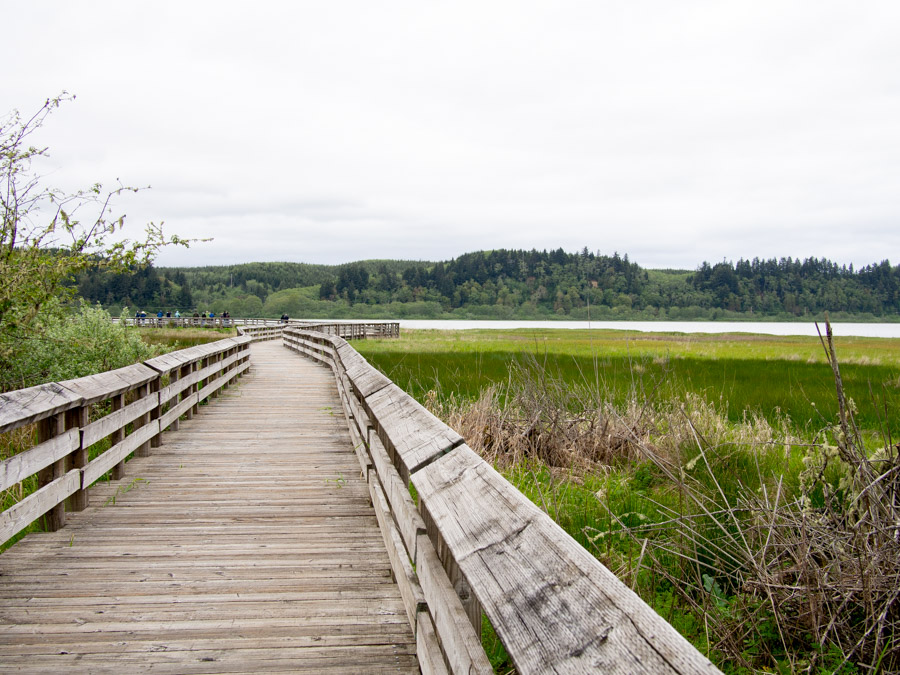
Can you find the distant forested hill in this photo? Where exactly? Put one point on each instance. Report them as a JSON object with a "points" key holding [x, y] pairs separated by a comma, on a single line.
{"points": [[512, 284]]}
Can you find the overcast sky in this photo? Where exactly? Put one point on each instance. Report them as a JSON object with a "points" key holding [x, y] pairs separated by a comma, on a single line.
{"points": [[675, 132]]}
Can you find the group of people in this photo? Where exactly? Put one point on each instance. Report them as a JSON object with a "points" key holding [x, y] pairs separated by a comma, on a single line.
{"points": [[141, 316]]}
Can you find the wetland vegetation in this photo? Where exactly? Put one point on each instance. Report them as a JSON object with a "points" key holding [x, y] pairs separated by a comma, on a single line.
{"points": [[724, 478]]}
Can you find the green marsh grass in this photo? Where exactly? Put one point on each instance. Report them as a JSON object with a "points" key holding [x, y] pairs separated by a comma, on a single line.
{"points": [[774, 376], [183, 337], [683, 463]]}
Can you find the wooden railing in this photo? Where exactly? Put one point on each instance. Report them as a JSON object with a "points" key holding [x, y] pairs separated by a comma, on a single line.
{"points": [[192, 322], [470, 542], [355, 330], [261, 332], [130, 407], [349, 330]]}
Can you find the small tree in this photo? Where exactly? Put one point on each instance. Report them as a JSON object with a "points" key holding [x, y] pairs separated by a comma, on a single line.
{"points": [[49, 235]]}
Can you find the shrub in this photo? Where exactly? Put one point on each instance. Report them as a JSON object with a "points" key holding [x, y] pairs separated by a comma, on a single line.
{"points": [[74, 345]]}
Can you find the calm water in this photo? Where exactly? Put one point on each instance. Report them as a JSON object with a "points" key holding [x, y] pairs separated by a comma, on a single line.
{"points": [[882, 330]]}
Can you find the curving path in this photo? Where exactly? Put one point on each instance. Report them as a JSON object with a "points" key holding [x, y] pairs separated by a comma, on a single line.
{"points": [[245, 544]]}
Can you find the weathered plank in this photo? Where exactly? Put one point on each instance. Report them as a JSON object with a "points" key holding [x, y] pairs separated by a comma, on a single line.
{"points": [[26, 463], [410, 590], [408, 429], [248, 539], [462, 645], [100, 465], [409, 521], [26, 406], [554, 606], [428, 648], [114, 421], [182, 383], [105, 385], [178, 410], [366, 379], [19, 516]]}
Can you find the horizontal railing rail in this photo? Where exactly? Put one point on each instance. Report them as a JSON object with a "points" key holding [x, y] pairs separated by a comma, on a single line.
{"points": [[130, 407], [261, 332], [349, 330], [469, 542], [191, 322], [357, 330]]}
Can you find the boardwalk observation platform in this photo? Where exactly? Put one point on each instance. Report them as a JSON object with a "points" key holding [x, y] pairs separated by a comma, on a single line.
{"points": [[267, 525]]}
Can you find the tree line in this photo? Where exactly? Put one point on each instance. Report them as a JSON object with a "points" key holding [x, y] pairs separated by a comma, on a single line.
{"points": [[509, 283]]}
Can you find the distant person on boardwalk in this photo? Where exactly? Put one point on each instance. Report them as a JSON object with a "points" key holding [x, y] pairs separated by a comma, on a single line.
{"points": [[284, 318]]}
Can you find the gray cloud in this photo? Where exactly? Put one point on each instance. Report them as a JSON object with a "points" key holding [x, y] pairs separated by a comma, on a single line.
{"points": [[329, 132]]}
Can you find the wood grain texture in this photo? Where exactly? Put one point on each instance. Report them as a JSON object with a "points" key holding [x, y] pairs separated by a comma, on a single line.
{"points": [[245, 543], [22, 514], [408, 519], [366, 379], [171, 416], [117, 419], [462, 645], [105, 385], [106, 461], [410, 590], [428, 649], [26, 406], [18, 467], [415, 435], [555, 607]]}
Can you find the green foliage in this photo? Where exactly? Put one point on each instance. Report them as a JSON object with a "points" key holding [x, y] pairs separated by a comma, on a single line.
{"points": [[72, 346], [49, 236], [722, 504], [519, 284], [776, 377]]}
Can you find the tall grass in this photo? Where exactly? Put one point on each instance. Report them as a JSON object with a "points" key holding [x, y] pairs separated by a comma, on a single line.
{"points": [[766, 532], [737, 376]]}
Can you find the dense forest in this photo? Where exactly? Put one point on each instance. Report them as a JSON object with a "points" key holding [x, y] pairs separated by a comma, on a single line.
{"points": [[511, 284]]}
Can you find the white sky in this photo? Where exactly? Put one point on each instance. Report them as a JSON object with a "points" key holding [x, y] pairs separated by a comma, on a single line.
{"points": [[675, 132]]}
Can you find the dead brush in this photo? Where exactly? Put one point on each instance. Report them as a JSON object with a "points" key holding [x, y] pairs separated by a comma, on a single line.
{"points": [[802, 580], [539, 417]]}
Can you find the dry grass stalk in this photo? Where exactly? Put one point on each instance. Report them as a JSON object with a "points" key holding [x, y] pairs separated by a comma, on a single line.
{"points": [[538, 418], [804, 577]]}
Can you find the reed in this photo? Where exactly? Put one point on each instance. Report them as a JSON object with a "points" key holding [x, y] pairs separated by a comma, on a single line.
{"points": [[768, 536]]}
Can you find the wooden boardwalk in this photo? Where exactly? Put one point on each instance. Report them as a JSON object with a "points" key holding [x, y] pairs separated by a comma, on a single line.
{"points": [[246, 543]]}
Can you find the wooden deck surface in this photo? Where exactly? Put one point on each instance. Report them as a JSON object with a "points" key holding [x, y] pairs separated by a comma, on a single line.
{"points": [[246, 543]]}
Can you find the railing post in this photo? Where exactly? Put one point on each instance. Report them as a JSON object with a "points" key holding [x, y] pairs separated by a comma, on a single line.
{"points": [[155, 384], [174, 376], [143, 450], [78, 419], [118, 471], [49, 428], [226, 355], [193, 390]]}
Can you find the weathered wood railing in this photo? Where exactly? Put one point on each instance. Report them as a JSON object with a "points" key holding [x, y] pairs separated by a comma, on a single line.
{"points": [[356, 330], [130, 406], [470, 542], [191, 321], [349, 330], [262, 331]]}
